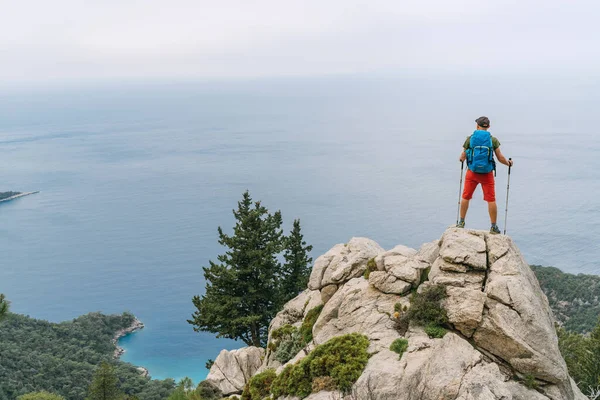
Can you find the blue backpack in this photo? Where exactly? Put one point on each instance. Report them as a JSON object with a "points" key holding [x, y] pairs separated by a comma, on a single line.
{"points": [[480, 154]]}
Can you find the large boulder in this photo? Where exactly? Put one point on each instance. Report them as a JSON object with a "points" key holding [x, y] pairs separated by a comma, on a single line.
{"points": [[494, 297], [388, 283], [233, 369], [343, 262], [517, 324]]}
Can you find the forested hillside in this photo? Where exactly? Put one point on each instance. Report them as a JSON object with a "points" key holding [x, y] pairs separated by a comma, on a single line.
{"points": [[574, 299], [61, 358]]}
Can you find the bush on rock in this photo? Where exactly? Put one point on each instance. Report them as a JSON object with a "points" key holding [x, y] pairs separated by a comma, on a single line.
{"points": [[309, 322], [208, 391], [342, 359], [399, 346], [426, 310], [259, 386], [288, 340]]}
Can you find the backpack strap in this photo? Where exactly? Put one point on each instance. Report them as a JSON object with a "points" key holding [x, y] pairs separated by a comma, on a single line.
{"points": [[492, 154]]}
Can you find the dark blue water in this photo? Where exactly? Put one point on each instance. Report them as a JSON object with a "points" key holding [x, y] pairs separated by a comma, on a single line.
{"points": [[136, 179]]}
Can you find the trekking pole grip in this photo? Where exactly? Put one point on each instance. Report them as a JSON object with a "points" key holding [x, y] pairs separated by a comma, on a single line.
{"points": [[509, 165]]}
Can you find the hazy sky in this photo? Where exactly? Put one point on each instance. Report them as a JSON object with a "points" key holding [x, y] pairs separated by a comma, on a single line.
{"points": [[58, 40]]}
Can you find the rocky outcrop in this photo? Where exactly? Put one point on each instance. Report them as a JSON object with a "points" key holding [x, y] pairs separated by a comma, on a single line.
{"points": [[136, 325], [233, 369], [343, 262], [501, 330]]}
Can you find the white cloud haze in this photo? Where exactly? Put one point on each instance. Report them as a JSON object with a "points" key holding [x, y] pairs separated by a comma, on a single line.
{"points": [[46, 41]]}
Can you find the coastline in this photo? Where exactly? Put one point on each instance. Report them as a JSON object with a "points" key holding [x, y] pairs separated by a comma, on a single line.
{"points": [[136, 325], [16, 196]]}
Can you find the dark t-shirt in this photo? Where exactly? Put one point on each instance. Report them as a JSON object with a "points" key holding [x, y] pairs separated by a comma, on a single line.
{"points": [[495, 142]]}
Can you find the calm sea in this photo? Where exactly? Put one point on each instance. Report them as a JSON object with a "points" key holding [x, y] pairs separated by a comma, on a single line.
{"points": [[135, 180]]}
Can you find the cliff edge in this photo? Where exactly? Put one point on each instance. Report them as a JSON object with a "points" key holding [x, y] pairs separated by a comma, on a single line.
{"points": [[500, 341]]}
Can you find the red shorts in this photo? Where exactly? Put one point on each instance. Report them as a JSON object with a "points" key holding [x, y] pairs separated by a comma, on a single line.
{"points": [[487, 184]]}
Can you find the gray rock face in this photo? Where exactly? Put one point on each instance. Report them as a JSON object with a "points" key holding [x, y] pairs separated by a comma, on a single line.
{"points": [[464, 248], [464, 308], [343, 262], [327, 292], [520, 331], [358, 307], [429, 252], [393, 257], [388, 283], [233, 369]]}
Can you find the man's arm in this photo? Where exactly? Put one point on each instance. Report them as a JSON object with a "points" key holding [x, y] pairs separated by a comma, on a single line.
{"points": [[501, 158], [463, 156]]}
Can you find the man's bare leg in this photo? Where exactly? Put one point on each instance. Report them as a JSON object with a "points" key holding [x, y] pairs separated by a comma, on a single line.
{"points": [[493, 210], [464, 207]]}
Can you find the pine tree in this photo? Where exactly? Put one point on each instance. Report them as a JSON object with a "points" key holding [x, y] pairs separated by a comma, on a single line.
{"points": [[105, 384], [3, 307], [242, 290], [296, 269]]}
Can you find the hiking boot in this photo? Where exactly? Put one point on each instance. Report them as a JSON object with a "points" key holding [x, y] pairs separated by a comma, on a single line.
{"points": [[494, 230], [461, 224]]}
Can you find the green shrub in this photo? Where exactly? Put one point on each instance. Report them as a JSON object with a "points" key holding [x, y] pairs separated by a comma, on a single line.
{"points": [[259, 386], [530, 381], [208, 391], [286, 342], [282, 332], [282, 385], [424, 275], [398, 307], [309, 322], [289, 348], [280, 335], [371, 266], [426, 307], [342, 359], [435, 331], [399, 346], [323, 383]]}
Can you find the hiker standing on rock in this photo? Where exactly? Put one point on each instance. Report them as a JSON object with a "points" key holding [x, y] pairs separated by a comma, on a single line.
{"points": [[479, 150]]}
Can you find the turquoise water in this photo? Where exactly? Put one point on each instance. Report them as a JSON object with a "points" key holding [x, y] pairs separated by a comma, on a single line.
{"points": [[135, 180]]}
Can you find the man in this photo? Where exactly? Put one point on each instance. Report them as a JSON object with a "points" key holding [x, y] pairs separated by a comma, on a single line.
{"points": [[479, 150]]}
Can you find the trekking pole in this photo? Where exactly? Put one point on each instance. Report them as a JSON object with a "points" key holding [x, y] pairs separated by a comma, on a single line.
{"points": [[507, 189], [462, 166]]}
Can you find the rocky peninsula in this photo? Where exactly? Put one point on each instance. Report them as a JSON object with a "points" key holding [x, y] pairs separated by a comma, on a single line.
{"points": [[498, 340], [136, 325], [8, 196]]}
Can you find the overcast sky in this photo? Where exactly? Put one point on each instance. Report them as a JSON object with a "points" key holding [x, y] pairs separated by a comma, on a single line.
{"points": [[57, 40]]}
